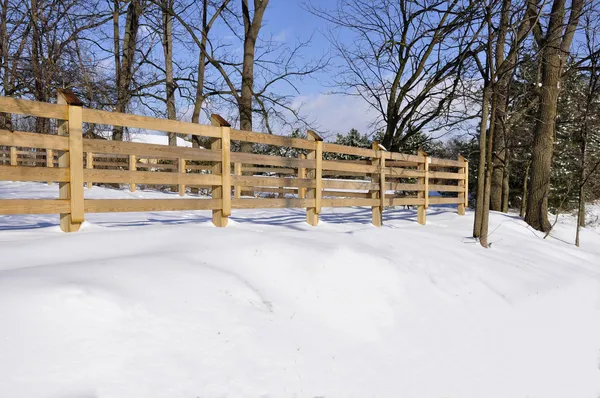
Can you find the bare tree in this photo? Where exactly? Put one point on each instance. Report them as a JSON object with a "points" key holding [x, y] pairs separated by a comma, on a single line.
{"points": [[499, 65], [555, 45], [404, 58], [124, 57]]}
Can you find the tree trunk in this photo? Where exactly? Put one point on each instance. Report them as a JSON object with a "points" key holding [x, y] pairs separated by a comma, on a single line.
{"points": [[543, 145], [485, 214], [5, 118], [525, 191], [554, 53], [505, 179], [481, 169], [125, 73], [167, 42], [499, 149], [251, 29]]}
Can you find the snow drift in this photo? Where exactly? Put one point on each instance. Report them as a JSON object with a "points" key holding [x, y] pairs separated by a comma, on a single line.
{"points": [[166, 305]]}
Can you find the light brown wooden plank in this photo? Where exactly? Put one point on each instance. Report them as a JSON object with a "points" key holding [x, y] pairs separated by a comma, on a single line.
{"points": [[347, 166], [270, 203], [404, 173], [149, 123], [446, 176], [274, 170], [410, 201], [36, 174], [348, 150], [136, 205], [251, 158], [362, 185], [76, 163], [260, 138], [275, 190], [399, 163], [301, 174], [33, 108], [345, 194], [34, 206], [13, 156], [250, 181], [446, 162], [318, 176], [445, 188], [226, 170], [407, 158], [33, 140], [440, 200], [237, 190], [198, 167], [397, 186], [149, 150], [49, 161], [149, 177], [328, 202]]}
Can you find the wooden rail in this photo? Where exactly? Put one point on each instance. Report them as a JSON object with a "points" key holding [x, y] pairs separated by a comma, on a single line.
{"points": [[312, 180]]}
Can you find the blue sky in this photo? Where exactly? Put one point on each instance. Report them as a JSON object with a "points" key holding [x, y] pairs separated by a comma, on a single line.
{"points": [[288, 20]]}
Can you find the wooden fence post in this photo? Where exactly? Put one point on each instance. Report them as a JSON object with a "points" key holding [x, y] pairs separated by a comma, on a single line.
{"points": [[73, 160], [312, 213], [237, 190], [424, 194], [13, 156], [464, 184], [89, 164], [132, 167], [50, 161], [223, 191], [301, 174], [378, 178], [181, 167]]}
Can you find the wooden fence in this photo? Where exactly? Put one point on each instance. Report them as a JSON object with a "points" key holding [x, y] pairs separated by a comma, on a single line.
{"points": [[377, 179]]}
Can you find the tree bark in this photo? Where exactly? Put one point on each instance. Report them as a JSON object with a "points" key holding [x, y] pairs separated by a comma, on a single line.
{"points": [[481, 169], [125, 71], [167, 42], [554, 52], [525, 191]]}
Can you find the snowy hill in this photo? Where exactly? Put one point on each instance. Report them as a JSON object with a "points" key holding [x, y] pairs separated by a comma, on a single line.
{"points": [[166, 305]]}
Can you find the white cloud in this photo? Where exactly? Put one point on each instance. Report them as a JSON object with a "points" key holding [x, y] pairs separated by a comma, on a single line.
{"points": [[338, 113]]}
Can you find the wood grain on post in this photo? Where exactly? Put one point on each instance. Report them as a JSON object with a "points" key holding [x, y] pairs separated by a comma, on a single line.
{"points": [[13, 156], [132, 167], [222, 191], [464, 185], [50, 161], [89, 164], [315, 173], [424, 194], [72, 160], [301, 174], [237, 171], [378, 179], [181, 169]]}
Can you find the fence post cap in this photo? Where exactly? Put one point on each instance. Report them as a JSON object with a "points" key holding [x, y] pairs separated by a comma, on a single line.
{"points": [[462, 158], [218, 120], [314, 135], [69, 96], [421, 152], [377, 146]]}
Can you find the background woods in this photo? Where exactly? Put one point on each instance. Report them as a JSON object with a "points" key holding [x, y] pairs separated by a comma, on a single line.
{"points": [[512, 85]]}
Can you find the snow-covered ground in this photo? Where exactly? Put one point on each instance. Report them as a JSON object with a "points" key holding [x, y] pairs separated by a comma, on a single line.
{"points": [[166, 305]]}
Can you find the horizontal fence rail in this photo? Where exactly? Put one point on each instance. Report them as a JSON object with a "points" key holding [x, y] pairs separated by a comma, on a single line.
{"points": [[313, 178]]}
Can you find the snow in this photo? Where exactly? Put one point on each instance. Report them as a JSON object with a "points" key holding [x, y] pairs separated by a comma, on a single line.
{"points": [[157, 137], [166, 305]]}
